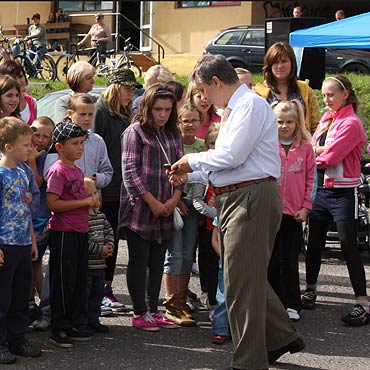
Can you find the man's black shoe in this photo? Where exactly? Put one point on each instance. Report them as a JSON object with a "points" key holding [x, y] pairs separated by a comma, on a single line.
{"points": [[296, 346]]}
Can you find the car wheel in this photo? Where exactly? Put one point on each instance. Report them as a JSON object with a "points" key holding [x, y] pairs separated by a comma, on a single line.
{"points": [[237, 64], [355, 68]]}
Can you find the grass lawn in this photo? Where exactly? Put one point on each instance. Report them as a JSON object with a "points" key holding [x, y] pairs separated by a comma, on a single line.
{"points": [[361, 84]]}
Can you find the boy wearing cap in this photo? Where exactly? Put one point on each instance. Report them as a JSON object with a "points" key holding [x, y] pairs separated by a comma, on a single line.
{"points": [[37, 34], [17, 241], [66, 198]]}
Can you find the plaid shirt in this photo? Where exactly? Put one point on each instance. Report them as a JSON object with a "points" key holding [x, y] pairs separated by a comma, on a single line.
{"points": [[142, 172]]}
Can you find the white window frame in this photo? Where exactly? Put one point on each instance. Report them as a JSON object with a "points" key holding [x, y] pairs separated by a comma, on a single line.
{"points": [[147, 28]]}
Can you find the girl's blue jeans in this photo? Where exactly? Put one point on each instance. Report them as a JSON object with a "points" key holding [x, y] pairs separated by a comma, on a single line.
{"points": [[220, 323]]}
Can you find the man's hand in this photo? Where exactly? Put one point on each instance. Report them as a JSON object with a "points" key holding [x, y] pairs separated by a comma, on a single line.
{"points": [[182, 165]]}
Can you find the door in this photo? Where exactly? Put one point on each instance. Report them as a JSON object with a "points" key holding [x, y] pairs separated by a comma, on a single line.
{"points": [[146, 25]]}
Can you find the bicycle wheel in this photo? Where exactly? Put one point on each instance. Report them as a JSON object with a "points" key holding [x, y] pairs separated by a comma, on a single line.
{"points": [[134, 68], [27, 66], [47, 69], [94, 62], [63, 64], [101, 70]]}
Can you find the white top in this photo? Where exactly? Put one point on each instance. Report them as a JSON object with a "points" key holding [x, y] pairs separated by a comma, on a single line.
{"points": [[247, 147], [26, 113]]}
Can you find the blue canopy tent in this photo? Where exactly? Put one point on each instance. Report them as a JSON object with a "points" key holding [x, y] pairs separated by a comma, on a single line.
{"points": [[352, 33]]}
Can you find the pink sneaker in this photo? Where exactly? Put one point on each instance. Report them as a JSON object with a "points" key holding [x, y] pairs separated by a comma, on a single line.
{"points": [[162, 321], [145, 322]]}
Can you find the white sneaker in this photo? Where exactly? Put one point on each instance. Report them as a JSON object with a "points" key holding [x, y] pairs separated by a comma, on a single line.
{"points": [[203, 299], [293, 314], [105, 311]]}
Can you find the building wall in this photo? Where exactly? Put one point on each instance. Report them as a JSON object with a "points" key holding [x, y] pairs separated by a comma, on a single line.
{"points": [[186, 30], [17, 12]]}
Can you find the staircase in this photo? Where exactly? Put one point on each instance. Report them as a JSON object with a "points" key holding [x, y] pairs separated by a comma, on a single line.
{"points": [[145, 61]]}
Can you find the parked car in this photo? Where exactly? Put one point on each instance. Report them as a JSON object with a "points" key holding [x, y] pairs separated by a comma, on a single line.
{"points": [[46, 104], [244, 46]]}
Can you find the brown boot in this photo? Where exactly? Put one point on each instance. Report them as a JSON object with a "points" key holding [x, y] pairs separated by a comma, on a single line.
{"points": [[184, 307], [175, 313]]}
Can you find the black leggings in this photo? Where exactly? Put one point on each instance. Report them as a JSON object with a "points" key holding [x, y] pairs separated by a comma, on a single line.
{"points": [[208, 265], [144, 255], [283, 271], [347, 231]]}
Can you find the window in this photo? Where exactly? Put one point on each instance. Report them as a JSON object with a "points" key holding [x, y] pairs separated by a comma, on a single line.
{"points": [[85, 5], [229, 38], [199, 4], [70, 5], [258, 38], [254, 37]]}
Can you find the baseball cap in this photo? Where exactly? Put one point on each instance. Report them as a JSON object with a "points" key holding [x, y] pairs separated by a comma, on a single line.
{"points": [[122, 76], [63, 131]]}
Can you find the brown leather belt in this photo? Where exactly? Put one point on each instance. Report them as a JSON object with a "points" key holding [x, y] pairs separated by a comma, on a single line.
{"points": [[233, 187]]}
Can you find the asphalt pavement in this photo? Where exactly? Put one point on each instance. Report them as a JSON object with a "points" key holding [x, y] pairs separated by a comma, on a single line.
{"points": [[329, 344]]}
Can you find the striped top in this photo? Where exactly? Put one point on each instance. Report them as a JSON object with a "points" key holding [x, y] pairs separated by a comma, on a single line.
{"points": [[100, 234]]}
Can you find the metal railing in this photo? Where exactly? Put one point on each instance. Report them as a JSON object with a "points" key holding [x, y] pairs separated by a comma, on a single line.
{"points": [[118, 36]]}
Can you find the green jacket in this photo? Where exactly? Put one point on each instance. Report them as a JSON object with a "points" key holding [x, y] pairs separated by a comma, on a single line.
{"points": [[37, 33], [311, 103]]}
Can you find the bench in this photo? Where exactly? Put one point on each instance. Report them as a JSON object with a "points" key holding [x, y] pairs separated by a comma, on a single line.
{"points": [[53, 34], [21, 30]]}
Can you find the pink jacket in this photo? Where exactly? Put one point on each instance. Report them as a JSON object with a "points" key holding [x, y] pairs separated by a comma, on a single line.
{"points": [[345, 140], [298, 182]]}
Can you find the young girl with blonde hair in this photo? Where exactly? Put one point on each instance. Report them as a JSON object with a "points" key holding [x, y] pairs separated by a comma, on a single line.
{"points": [[210, 116], [297, 187]]}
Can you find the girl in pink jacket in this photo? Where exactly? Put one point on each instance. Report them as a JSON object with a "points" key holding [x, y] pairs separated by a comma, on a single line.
{"points": [[338, 143], [297, 186]]}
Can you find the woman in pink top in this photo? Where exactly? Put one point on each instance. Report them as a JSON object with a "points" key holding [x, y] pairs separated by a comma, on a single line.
{"points": [[208, 110], [338, 143]]}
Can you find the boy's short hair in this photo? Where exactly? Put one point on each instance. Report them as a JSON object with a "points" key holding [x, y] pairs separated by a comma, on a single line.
{"points": [[63, 131], [44, 121], [10, 130]]}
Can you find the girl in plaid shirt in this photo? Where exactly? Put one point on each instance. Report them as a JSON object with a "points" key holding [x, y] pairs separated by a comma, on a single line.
{"points": [[148, 200]]}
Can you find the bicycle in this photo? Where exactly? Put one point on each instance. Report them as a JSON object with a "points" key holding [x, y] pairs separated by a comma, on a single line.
{"points": [[66, 60], [34, 64], [5, 47], [97, 59], [102, 69]]}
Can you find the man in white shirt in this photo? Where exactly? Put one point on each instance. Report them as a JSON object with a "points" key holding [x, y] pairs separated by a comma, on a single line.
{"points": [[245, 165]]}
